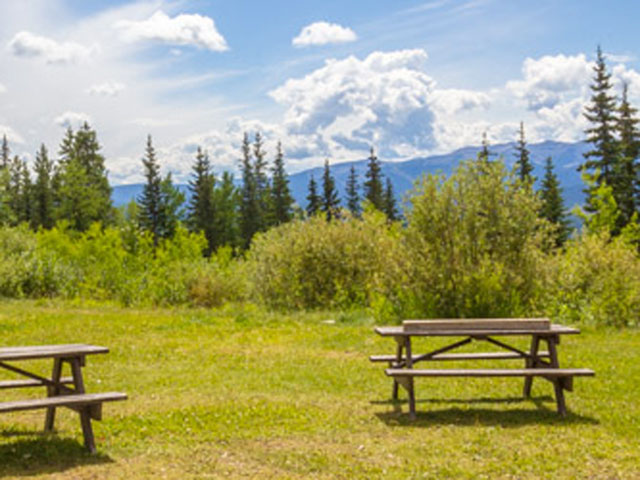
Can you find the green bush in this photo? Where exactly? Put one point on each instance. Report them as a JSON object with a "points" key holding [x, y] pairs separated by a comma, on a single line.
{"points": [[476, 244], [345, 263]]}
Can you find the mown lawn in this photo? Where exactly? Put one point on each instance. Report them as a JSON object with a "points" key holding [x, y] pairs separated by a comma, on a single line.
{"points": [[241, 393]]}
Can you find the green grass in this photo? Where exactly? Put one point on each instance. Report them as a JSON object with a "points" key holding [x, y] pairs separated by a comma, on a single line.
{"points": [[241, 393]]}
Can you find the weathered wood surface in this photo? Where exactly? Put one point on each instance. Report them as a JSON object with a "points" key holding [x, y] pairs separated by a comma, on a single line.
{"points": [[31, 383], [459, 356], [492, 372], [49, 351], [399, 331], [78, 400], [477, 324]]}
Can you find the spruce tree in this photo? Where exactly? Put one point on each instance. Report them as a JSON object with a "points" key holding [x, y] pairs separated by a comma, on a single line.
{"points": [[150, 200], [262, 183], [601, 113], [390, 208], [314, 202], [5, 154], [523, 162], [42, 213], [171, 201], [226, 200], [330, 202], [20, 190], [627, 176], [201, 212], [373, 190], [281, 199], [484, 153], [552, 207], [353, 197], [249, 201]]}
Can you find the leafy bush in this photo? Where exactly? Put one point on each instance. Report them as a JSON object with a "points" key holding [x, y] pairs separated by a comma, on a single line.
{"points": [[476, 244], [318, 264]]}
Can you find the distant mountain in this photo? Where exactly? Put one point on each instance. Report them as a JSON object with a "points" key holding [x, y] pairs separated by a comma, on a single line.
{"points": [[566, 158]]}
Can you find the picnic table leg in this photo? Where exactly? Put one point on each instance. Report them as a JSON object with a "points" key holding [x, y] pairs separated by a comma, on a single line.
{"points": [[410, 389], [85, 418], [52, 392], [531, 362], [557, 382], [400, 341]]}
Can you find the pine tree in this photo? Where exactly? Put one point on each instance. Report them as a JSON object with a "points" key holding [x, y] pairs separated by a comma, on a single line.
{"points": [[390, 208], [42, 213], [373, 185], [601, 113], [523, 163], [226, 200], [330, 202], [171, 201], [627, 186], [20, 190], [201, 212], [150, 201], [484, 154], [281, 199], [249, 201], [262, 183], [314, 202], [552, 207], [353, 197], [5, 156]]}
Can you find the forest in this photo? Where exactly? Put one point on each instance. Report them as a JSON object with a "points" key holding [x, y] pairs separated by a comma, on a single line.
{"points": [[486, 241]]}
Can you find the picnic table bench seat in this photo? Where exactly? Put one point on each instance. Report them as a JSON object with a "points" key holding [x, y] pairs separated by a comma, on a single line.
{"points": [[458, 356]]}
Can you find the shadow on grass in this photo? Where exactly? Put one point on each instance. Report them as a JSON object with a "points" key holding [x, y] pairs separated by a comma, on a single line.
{"points": [[513, 417], [35, 453]]}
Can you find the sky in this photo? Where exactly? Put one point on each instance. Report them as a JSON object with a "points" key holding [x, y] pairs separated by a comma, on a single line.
{"points": [[328, 78]]}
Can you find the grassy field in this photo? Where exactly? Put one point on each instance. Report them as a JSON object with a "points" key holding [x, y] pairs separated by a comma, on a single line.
{"points": [[240, 393]]}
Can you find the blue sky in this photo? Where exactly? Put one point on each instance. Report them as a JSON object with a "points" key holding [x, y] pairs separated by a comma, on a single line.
{"points": [[328, 78]]}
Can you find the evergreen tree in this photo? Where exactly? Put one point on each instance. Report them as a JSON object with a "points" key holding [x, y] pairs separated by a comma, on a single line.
{"points": [[373, 191], [6, 213], [226, 200], [81, 151], [552, 207], [330, 202], [601, 113], [201, 212], [484, 153], [627, 177], [20, 190], [523, 163], [250, 221], [150, 201], [390, 208], [353, 197], [42, 212], [314, 202], [262, 183], [5, 154], [281, 199], [171, 201]]}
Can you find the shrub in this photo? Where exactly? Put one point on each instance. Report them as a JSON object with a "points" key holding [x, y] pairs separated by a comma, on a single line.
{"points": [[344, 263]]}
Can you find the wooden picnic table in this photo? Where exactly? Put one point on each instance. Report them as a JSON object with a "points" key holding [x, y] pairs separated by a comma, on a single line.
{"points": [[68, 391], [544, 364]]}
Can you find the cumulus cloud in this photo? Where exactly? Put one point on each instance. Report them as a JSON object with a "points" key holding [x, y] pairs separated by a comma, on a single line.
{"points": [[551, 79], [384, 99], [11, 134], [106, 89], [3, 89], [323, 33], [28, 45], [71, 119], [452, 101], [195, 30]]}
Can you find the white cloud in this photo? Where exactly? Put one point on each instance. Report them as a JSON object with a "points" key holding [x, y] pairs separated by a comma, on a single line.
{"points": [[29, 45], [323, 33], [71, 119], [452, 101], [11, 134], [3, 89], [196, 30], [551, 79], [107, 89]]}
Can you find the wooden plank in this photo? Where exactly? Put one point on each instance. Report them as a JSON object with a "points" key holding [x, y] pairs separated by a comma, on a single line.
{"points": [[399, 331], [30, 383], [460, 356], [477, 324], [49, 351], [62, 401], [475, 372]]}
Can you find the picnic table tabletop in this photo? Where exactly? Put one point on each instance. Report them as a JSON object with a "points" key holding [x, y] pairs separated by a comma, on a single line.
{"points": [[49, 351], [400, 331]]}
